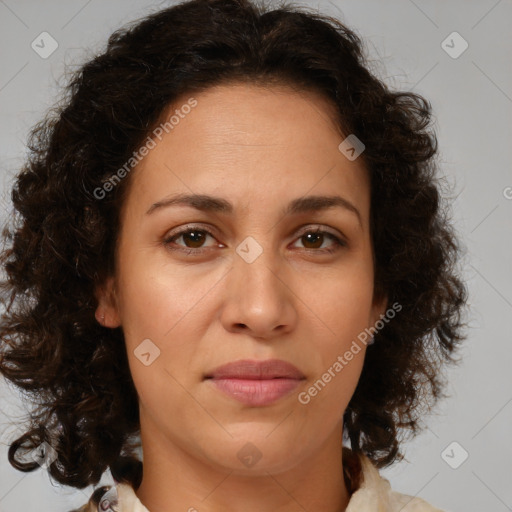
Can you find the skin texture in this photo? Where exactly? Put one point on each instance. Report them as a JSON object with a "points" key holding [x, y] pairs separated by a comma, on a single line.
{"points": [[259, 148]]}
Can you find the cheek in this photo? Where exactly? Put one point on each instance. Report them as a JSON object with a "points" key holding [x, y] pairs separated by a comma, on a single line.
{"points": [[164, 312], [343, 304], [156, 299], [331, 388]]}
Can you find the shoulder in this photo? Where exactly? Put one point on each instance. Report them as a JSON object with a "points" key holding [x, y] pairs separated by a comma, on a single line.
{"points": [[375, 493], [406, 503], [119, 497], [103, 499]]}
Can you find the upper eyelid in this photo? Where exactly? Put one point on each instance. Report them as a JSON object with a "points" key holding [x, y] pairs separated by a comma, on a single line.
{"points": [[187, 228]]}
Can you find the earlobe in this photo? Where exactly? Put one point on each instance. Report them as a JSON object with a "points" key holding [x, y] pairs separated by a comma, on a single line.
{"points": [[379, 308], [106, 313], [100, 315]]}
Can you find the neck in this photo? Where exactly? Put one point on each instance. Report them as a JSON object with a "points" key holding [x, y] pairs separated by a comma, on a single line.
{"points": [[177, 480]]}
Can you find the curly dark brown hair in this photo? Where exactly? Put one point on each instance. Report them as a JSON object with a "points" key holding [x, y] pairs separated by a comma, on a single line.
{"points": [[62, 240]]}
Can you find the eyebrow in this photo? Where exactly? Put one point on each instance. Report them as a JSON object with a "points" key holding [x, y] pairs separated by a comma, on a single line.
{"points": [[297, 206]]}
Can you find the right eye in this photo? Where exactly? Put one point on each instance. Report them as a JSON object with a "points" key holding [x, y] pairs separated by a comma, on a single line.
{"points": [[192, 237]]}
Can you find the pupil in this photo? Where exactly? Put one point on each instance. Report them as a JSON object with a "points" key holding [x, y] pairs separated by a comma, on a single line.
{"points": [[194, 234], [315, 238]]}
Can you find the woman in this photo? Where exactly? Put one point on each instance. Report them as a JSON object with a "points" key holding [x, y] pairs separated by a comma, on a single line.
{"points": [[230, 241]]}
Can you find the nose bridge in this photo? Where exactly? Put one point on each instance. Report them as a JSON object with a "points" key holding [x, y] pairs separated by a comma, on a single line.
{"points": [[256, 266], [257, 296]]}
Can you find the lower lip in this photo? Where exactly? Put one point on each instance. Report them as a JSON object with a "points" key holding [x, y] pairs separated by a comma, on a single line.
{"points": [[256, 392]]}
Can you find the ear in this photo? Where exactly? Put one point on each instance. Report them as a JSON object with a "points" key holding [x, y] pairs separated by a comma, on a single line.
{"points": [[107, 313], [379, 307]]}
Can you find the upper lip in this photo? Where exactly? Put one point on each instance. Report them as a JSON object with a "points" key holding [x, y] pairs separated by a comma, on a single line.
{"points": [[257, 370]]}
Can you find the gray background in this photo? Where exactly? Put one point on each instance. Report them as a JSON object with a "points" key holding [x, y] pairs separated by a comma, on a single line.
{"points": [[472, 99]]}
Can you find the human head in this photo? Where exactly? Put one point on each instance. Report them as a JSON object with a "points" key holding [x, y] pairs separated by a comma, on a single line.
{"points": [[64, 247]]}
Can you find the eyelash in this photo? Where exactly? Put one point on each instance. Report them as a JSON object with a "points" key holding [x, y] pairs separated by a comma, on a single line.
{"points": [[338, 242]]}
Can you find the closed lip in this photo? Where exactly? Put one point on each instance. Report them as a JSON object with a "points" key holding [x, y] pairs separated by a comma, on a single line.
{"points": [[249, 369]]}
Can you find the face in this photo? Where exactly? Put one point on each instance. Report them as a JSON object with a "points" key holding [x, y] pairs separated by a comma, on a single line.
{"points": [[251, 274]]}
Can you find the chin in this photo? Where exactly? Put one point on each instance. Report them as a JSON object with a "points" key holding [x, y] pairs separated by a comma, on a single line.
{"points": [[256, 454]]}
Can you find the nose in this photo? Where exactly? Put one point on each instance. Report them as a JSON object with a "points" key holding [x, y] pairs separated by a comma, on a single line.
{"points": [[259, 297]]}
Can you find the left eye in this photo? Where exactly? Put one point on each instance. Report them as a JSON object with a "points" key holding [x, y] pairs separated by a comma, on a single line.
{"points": [[317, 237], [195, 238]]}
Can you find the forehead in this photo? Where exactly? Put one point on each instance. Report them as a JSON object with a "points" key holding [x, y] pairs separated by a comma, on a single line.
{"points": [[255, 113], [259, 143]]}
